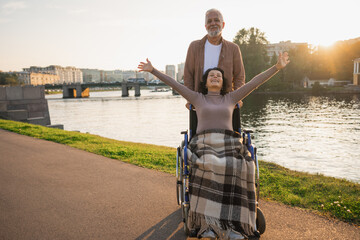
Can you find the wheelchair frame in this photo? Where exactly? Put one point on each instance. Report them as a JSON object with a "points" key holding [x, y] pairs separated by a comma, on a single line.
{"points": [[182, 170]]}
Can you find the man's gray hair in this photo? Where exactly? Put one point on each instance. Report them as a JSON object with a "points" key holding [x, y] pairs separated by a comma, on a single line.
{"points": [[213, 10]]}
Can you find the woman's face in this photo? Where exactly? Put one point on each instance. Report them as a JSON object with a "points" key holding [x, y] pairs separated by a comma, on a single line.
{"points": [[214, 81]]}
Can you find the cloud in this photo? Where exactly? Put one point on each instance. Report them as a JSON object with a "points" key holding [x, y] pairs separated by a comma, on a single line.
{"points": [[11, 7]]}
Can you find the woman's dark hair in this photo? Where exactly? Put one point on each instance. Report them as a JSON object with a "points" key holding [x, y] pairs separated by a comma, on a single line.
{"points": [[203, 87]]}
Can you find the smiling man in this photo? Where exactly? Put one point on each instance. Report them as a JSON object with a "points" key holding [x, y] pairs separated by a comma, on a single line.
{"points": [[214, 51]]}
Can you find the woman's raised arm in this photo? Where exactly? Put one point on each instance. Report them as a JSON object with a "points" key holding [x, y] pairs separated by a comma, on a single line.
{"points": [[181, 89], [261, 78]]}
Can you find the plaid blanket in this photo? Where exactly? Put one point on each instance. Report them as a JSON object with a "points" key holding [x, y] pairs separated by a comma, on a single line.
{"points": [[222, 183]]}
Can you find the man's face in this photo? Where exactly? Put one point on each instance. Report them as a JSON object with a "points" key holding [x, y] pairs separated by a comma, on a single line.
{"points": [[214, 24]]}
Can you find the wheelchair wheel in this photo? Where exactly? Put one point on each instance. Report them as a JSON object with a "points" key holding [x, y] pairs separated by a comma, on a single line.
{"points": [[179, 177], [260, 221]]}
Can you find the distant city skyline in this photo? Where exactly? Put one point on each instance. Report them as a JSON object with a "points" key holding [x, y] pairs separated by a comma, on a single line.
{"points": [[112, 35]]}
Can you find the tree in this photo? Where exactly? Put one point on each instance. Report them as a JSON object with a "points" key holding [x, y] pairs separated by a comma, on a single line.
{"points": [[335, 61], [8, 79], [343, 54], [277, 82], [299, 66], [320, 64], [252, 43]]}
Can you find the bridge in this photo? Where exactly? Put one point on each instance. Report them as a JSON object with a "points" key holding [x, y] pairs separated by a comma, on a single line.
{"points": [[77, 90]]}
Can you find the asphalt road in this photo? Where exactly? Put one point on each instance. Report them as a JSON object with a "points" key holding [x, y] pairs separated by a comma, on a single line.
{"points": [[52, 191]]}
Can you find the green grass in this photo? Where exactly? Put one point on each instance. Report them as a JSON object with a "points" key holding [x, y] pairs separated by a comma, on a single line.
{"points": [[331, 196], [326, 195], [144, 155]]}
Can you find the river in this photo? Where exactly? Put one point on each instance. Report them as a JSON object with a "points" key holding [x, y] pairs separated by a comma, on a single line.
{"points": [[315, 134]]}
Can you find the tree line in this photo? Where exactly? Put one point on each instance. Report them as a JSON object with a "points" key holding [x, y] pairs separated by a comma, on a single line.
{"points": [[9, 79], [316, 63]]}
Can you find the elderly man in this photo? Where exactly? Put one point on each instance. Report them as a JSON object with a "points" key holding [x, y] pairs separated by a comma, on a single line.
{"points": [[214, 51]]}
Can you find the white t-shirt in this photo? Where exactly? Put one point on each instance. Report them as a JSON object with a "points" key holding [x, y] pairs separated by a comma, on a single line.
{"points": [[211, 56]]}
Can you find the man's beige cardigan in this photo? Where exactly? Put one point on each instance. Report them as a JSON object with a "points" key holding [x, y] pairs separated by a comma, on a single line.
{"points": [[230, 61]]}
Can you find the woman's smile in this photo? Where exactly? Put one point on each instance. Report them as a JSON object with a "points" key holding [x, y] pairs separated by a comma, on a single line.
{"points": [[214, 81]]}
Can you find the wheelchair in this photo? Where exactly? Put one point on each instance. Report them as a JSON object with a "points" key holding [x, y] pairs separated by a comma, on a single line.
{"points": [[182, 170]]}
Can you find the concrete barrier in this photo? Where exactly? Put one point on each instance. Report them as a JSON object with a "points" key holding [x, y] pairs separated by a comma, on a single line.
{"points": [[25, 104], [14, 93], [2, 94], [30, 92]]}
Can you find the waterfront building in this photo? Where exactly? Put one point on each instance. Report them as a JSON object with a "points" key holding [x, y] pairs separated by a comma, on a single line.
{"points": [[180, 73], [97, 76], [91, 75], [275, 48], [114, 76], [332, 82], [66, 75], [170, 70], [35, 79], [145, 75], [129, 74]]}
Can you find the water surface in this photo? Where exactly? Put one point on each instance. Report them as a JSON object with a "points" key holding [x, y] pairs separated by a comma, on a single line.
{"points": [[316, 134]]}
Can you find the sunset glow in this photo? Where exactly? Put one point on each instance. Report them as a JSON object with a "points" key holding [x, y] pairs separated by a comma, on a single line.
{"points": [[117, 34]]}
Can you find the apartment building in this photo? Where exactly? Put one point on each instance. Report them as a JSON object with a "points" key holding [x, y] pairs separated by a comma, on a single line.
{"points": [[170, 70], [32, 78], [67, 75], [275, 48], [180, 73], [96, 76]]}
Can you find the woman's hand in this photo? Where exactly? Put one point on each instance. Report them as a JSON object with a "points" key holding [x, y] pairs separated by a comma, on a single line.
{"points": [[146, 67], [283, 60]]}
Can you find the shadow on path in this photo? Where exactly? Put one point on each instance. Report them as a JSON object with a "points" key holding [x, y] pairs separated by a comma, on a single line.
{"points": [[170, 228]]}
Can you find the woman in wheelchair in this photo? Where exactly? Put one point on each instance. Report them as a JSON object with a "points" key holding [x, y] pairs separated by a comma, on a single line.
{"points": [[222, 174]]}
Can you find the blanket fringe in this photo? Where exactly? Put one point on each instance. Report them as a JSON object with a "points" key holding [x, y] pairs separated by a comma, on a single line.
{"points": [[221, 227]]}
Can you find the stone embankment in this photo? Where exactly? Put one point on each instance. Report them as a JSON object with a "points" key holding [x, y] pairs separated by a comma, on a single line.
{"points": [[25, 104]]}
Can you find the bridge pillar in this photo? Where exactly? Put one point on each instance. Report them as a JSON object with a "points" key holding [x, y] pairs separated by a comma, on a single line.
{"points": [[124, 90], [126, 86], [137, 90], [75, 91]]}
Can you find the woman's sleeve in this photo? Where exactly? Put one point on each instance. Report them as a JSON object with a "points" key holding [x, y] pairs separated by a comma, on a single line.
{"points": [[253, 84], [188, 94]]}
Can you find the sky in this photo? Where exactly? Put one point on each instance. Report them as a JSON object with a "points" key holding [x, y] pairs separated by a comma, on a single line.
{"points": [[118, 34]]}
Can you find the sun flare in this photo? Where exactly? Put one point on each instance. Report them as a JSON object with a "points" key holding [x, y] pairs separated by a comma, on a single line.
{"points": [[324, 42]]}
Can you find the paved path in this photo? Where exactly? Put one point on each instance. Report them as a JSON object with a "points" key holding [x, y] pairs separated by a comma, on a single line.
{"points": [[52, 191]]}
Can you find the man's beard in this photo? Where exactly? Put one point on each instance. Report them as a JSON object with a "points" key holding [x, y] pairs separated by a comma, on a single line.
{"points": [[214, 33]]}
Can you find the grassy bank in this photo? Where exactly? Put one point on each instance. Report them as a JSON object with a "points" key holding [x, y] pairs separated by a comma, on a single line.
{"points": [[327, 195]]}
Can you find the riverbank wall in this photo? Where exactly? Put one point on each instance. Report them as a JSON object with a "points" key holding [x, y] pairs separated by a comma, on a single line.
{"points": [[25, 104]]}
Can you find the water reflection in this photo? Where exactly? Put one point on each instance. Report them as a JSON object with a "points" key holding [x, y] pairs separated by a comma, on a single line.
{"points": [[314, 134], [306, 133]]}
